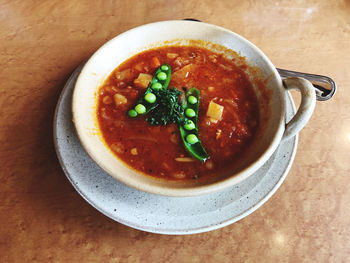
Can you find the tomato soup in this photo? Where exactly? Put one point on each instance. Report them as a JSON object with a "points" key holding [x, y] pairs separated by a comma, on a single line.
{"points": [[158, 151]]}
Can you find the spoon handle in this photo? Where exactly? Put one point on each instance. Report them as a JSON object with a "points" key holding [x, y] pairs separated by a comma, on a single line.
{"points": [[324, 86]]}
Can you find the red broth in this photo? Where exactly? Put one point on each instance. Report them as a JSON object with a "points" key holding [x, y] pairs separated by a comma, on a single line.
{"points": [[158, 150]]}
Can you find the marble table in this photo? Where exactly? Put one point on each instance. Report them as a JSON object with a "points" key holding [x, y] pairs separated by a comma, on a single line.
{"points": [[43, 218]]}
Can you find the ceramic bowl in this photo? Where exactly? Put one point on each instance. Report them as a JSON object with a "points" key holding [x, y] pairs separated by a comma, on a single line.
{"points": [[268, 85]]}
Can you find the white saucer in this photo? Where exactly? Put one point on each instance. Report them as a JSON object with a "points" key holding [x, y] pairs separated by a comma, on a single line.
{"points": [[160, 214]]}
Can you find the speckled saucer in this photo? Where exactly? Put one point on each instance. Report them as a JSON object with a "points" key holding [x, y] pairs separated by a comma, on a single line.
{"points": [[160, 214]]}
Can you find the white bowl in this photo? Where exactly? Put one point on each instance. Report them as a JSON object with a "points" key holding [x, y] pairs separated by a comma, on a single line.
{"points": [[272, 111]]}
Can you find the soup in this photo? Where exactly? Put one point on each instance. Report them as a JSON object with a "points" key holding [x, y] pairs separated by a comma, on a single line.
{"points": [[228, 115]]}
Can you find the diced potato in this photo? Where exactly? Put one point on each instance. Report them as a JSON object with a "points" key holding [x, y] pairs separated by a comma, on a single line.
{"points": [[215, 111], [108, 88], [171, 55], [122, 75], [181, 61], [183, 73], [121, 84], [118, 147], [120, 99], [211, 89], [104, 114], [143, 80], [155, 63], [107, 100], [139, 66]]}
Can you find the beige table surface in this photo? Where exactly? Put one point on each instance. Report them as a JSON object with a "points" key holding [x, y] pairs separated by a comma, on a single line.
{"points": [[43, 219]]}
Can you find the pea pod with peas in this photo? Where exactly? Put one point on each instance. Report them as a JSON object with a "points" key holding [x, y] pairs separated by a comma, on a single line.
{"points": [[189, 128], [148, 102]]}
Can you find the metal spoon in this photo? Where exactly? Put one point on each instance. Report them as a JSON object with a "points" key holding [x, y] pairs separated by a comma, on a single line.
{"points": [[325, 87]]}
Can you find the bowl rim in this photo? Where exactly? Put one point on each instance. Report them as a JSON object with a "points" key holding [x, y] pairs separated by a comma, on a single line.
{"points": [[187, 191]]}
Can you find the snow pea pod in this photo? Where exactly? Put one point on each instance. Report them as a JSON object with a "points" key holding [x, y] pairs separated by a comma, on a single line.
{"points": [[189, 128], [148, 101]]}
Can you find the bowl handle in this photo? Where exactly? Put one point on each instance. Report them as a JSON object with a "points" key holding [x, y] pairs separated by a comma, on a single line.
{"points": [[306, 108]]}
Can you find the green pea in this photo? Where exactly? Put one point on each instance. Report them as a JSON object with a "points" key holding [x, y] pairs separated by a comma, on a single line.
{"points": [[156, 86], [192, 99], [189, 125], [192, 139], [161, 76], [190, 113], [132, 113], [150, 97], [140, 109], [164, 67]]}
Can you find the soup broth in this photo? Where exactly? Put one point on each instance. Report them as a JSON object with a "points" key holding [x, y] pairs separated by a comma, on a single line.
{"points": [[158, 151]]}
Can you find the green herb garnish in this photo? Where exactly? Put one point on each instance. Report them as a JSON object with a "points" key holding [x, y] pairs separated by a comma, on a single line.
{"points": [[169, 108]]}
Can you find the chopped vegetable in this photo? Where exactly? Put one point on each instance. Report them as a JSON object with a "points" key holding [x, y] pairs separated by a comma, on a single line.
{"points": [[143, 80], [213, 58], [122, 75], [139, 66], [218, 133], [155, 63], [184, 72], [107, 100], [178, 175], [215, 111], [133, 151], [228, 68], [181, 61], [171, 55], [211, 89], [209, 164], [185, 159], [118, 147], [119, 99]]}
